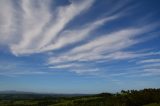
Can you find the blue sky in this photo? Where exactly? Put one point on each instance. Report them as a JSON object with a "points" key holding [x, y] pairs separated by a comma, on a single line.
{"points": [[79, 46]]}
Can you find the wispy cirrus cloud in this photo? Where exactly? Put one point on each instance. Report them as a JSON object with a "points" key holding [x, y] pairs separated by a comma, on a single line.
{"points": [[149, 61], [77, 35], [106, 47], [32, 26], [37, 32], [6, 26], [13, 68], [145, 68]]}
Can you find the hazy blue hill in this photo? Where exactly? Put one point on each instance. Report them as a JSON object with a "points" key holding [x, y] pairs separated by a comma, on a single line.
{"points": [[15, 92]]}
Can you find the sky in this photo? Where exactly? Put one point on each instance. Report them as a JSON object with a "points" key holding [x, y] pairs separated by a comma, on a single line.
{"points": [[79, 46]]}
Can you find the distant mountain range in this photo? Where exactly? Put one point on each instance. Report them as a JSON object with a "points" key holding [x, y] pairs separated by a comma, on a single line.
{"points": [[34, 93], [15, 92]]}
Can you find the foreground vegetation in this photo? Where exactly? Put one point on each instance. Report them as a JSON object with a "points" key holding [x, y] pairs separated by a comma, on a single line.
{"points": [[146, 97]]}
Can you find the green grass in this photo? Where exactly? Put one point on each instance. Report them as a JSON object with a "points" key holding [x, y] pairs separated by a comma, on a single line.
{"points": [[153, 104]]}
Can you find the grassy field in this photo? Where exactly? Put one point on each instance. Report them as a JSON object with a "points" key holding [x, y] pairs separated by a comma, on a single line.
{"points": [[153, 104]]}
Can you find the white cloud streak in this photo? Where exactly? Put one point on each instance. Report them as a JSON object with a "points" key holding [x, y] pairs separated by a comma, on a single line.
{"points": [[9, 68], [42, 30], [149, 61], [6, 27], [108, 46], [77, 34], [37, 31]]}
